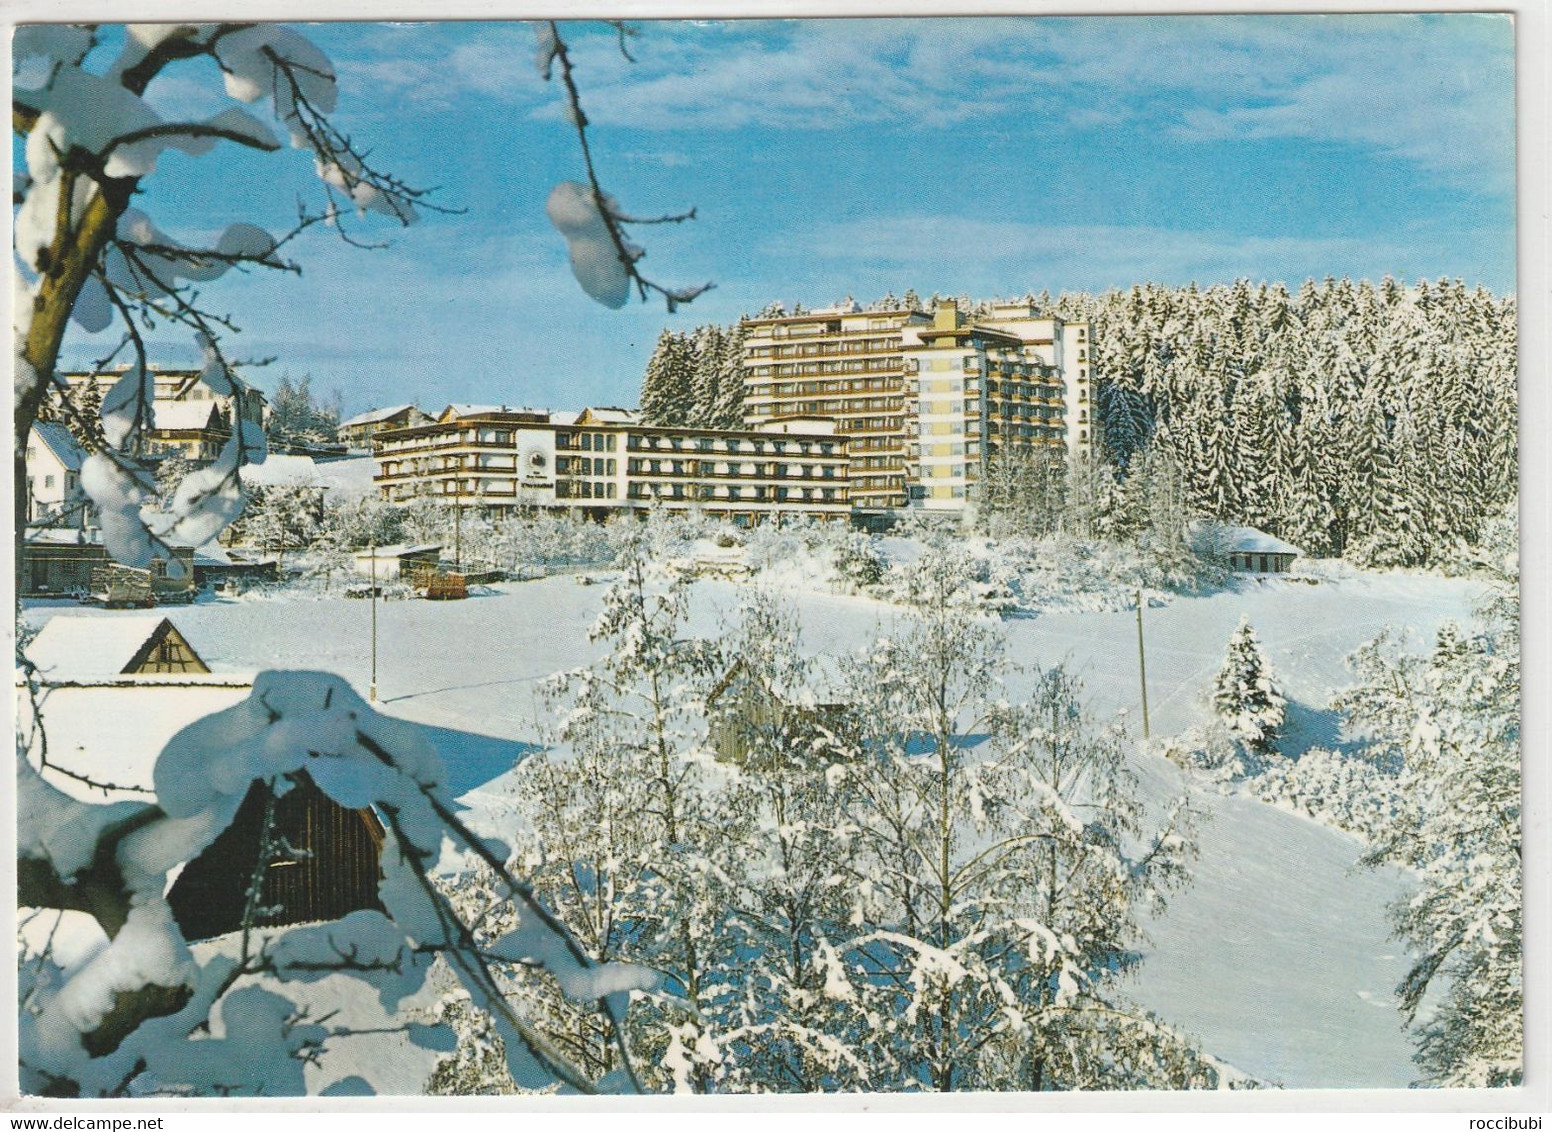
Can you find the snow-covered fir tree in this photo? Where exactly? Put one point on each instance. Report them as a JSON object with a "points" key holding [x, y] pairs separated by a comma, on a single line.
{"points": [[696, 378], [1375, 421], [1246, 696], [666, 391]]}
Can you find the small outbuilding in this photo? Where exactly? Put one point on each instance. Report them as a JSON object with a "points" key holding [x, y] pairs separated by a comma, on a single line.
{"points": [[101, 648], [747, 713], [390, 563], [1257, 552]]}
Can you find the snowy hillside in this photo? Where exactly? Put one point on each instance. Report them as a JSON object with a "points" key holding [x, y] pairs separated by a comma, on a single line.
{"points": [[1277, 957]]}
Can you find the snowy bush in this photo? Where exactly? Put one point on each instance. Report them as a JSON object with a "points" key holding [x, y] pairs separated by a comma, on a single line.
{"points": [[857, 562], [1342, 790]]}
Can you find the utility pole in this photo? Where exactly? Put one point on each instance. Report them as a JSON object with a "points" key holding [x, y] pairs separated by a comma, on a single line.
{"points": [[1142, 668], [372, 695], [458, 528]]}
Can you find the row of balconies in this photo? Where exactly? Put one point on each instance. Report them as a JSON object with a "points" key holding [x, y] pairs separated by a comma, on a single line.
{"points": [[759, 493], [826, 449], [849, 387], [842, 344], [888, 363], [768, 472]]}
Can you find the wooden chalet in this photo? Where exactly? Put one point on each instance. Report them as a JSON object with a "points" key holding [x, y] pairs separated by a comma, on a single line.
{"points": [[114, 691]]}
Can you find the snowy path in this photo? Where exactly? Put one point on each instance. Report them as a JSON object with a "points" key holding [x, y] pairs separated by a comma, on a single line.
{"points": [[1277, 957]]}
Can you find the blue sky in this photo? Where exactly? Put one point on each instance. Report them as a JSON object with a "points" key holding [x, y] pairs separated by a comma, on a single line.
{"points": [[853, 157]]}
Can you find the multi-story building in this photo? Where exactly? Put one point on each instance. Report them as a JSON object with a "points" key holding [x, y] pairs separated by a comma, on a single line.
{"points": [[925, 400], [604, 459], [995, 386], [54, 494], [846, 364], [190, 418]]}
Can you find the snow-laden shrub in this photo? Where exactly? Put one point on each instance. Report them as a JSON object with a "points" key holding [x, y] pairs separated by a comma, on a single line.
{"points": [[857, 562], [1211, 752], [1341, 790]]}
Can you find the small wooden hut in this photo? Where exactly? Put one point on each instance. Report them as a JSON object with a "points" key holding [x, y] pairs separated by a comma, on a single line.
{"points": [[1257, 552]]}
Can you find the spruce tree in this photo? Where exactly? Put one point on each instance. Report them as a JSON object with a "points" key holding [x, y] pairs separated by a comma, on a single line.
{"points": [[1246, 696]]}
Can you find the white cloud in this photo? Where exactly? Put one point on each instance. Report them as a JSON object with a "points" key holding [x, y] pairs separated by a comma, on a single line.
{"points": [[1433, 89], [984, 255]]}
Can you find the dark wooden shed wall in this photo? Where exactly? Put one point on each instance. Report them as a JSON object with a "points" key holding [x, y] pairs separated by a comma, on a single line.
{"points": [[337, 872]]}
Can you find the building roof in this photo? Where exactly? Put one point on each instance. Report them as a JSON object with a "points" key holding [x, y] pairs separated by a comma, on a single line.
{"points": [[56, 437], [283, 470], [1250, 540], [64, 536], [400, 550], [84, 648], [349, 477], [112, 732], [456, 411], [607, 414], [372, 416], [214, 554]]}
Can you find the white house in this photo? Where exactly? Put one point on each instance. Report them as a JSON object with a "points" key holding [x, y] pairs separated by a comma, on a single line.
{"points": [[54, 492]]}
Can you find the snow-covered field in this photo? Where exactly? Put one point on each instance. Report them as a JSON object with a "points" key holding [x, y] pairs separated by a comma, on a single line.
{"points": [[1277, 957]]}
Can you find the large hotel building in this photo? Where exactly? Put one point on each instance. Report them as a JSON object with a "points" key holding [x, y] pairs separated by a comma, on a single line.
{"points": [[847, 413], [925, 400], [602, 460]]}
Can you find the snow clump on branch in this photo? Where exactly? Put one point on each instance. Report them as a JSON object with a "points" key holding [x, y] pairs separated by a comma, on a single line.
{"points": [[595, 260]]}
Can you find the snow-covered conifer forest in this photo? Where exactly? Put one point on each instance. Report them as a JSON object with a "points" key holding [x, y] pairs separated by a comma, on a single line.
{"points": [[1377, 422], [672, 805]]}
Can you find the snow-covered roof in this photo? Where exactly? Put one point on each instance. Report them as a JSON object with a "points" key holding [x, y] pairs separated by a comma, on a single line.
{"points": [[185, 414], [564, 416], [372, 416], [56, 437], [214, 554], [351, 476], [90, 648], [64, 536], [610, 414], [400, 550], [1250, 540], [456, 412], [283, 470], [112, 732]]}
